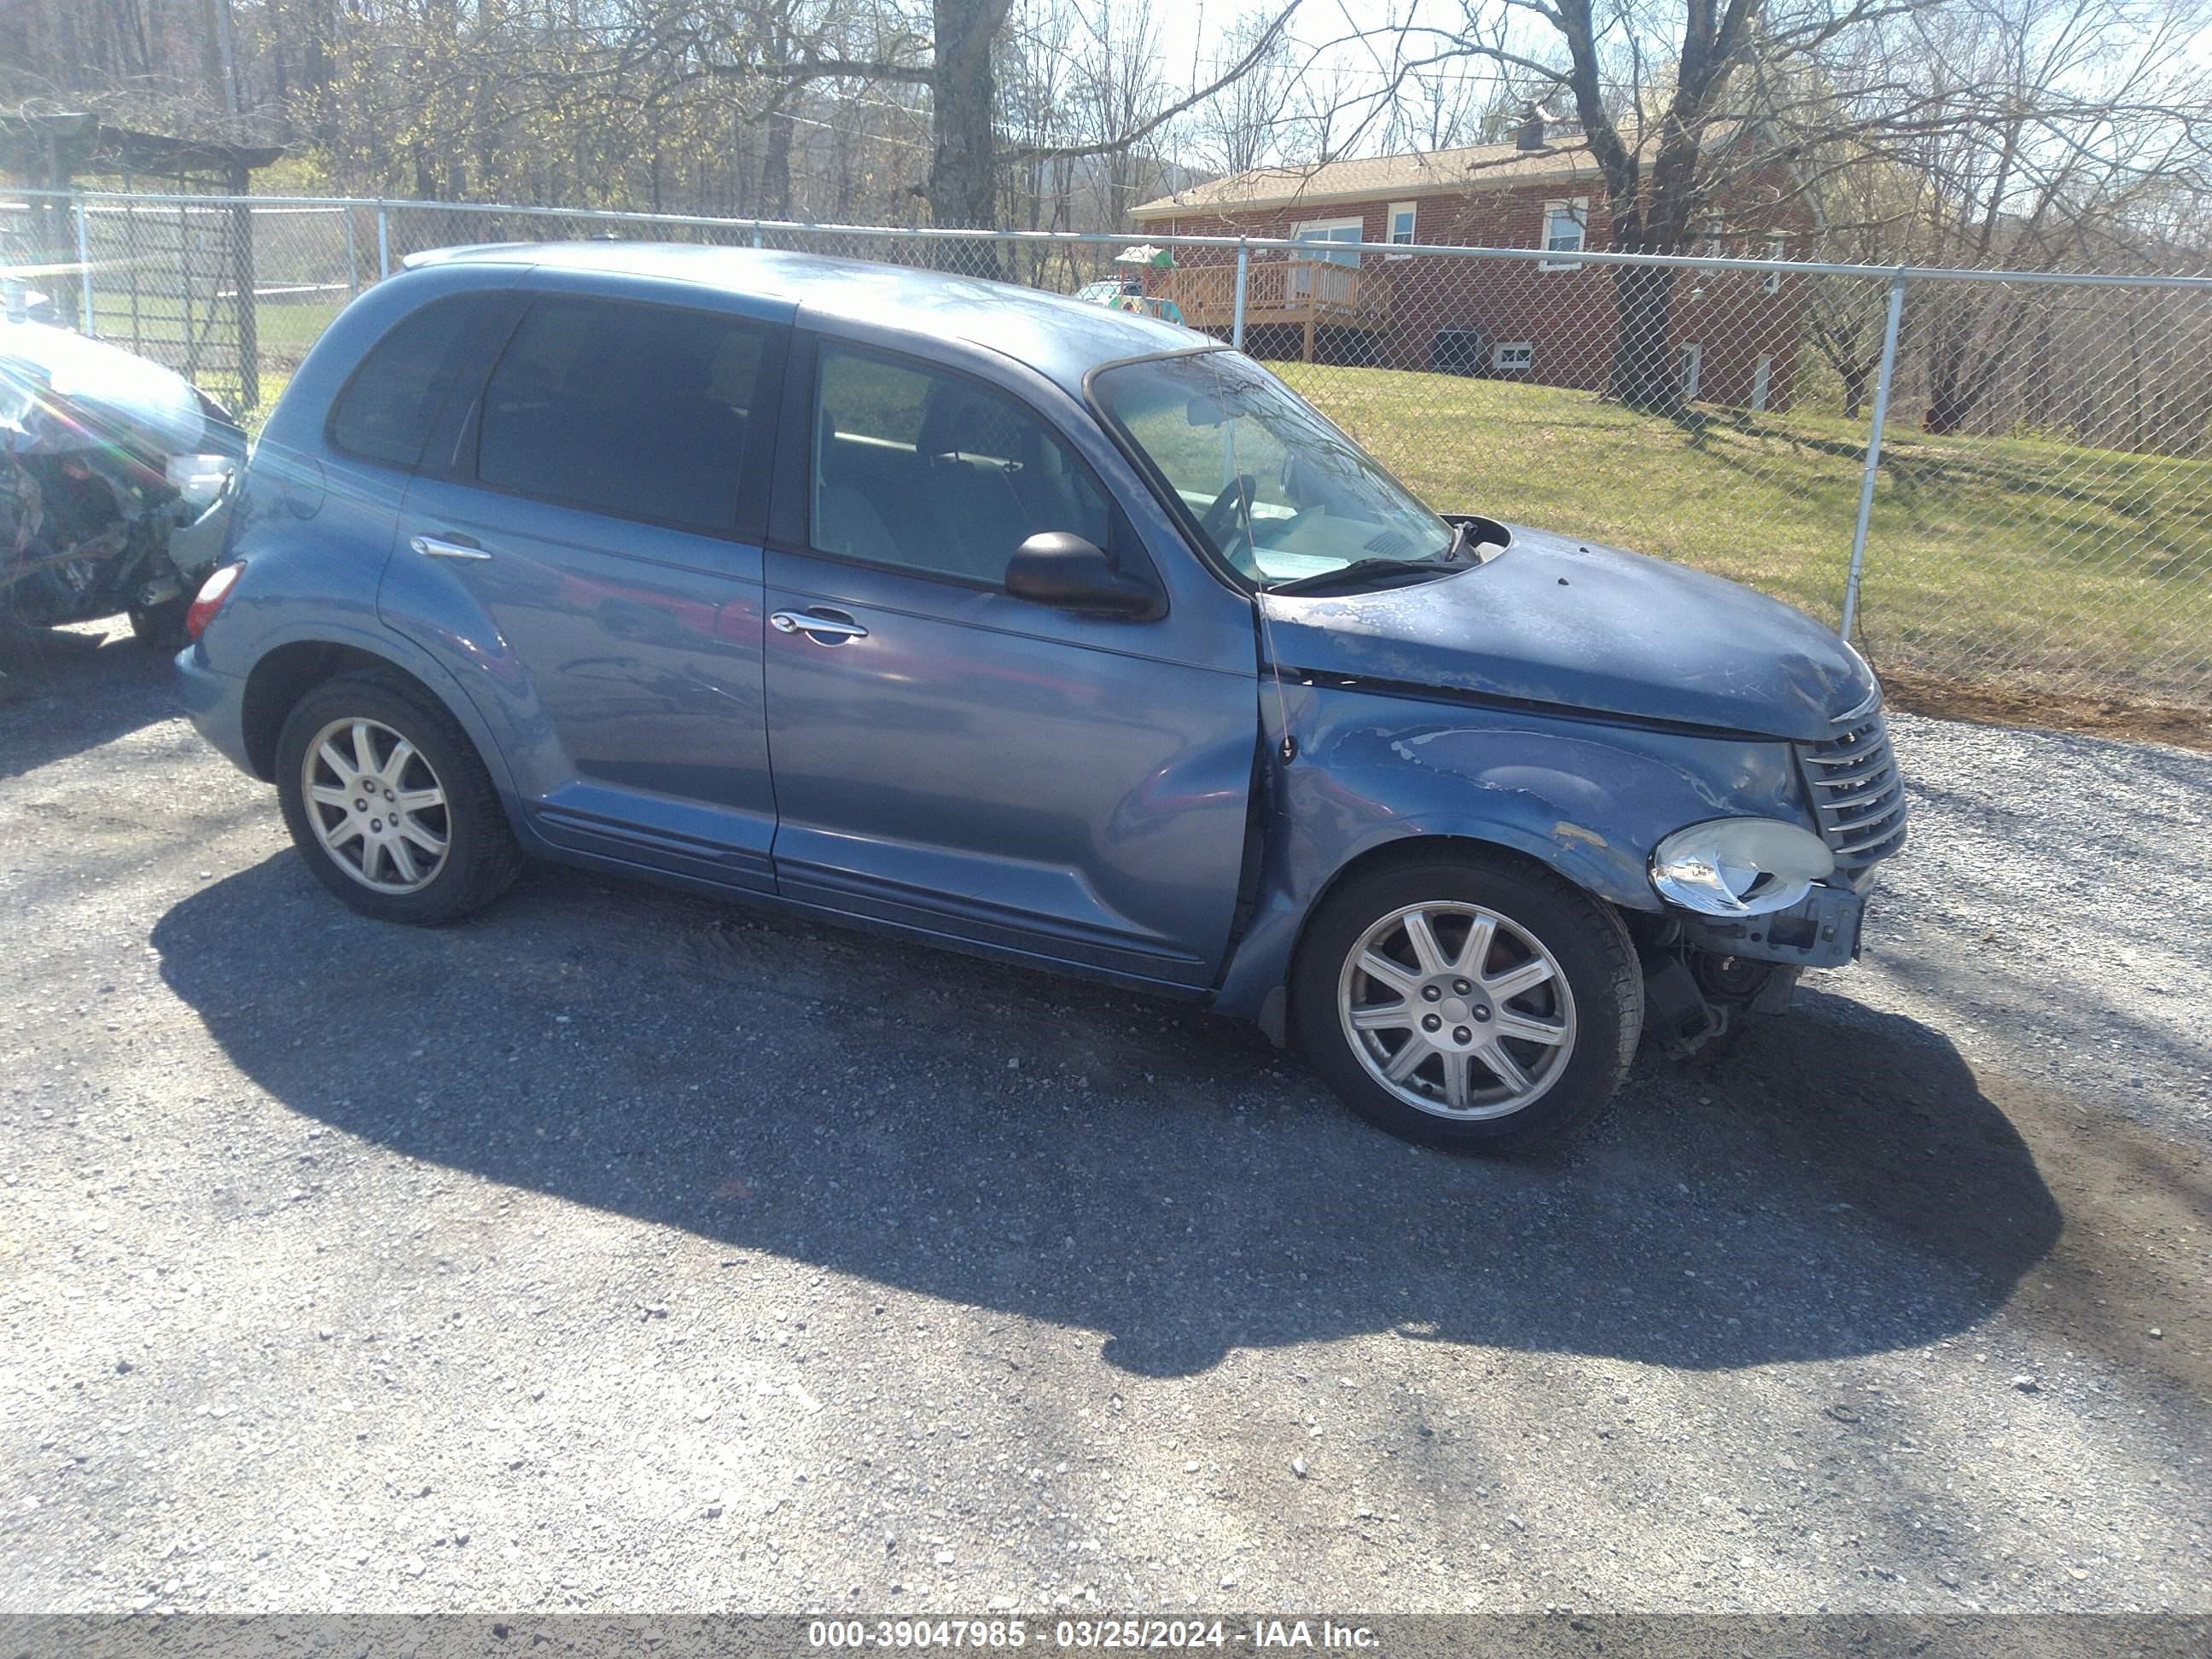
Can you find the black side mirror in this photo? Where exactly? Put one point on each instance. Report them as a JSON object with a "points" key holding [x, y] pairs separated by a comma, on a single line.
{"points": [[1062, 569]]}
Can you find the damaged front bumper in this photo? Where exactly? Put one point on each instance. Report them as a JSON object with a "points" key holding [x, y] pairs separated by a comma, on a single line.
{"points": [[1821, 930]]}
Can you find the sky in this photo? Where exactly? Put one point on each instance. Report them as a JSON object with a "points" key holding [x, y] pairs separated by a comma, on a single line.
{"points": [[1191, 32]]}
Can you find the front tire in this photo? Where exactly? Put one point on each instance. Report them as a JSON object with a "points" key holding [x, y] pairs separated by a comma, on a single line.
{"points": [[1479, 1004], [390, 805]]}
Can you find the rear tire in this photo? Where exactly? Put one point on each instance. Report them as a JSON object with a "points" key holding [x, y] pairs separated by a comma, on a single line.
{"points": [[1478, 1004], [389, 803]]}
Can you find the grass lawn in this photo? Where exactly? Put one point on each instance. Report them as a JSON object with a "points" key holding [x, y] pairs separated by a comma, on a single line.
{"points": [[1999, 559], [159, 327]]}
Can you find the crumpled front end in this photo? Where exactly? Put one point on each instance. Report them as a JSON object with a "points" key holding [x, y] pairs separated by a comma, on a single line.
{"points": [[114, 480], [1700, 968]]}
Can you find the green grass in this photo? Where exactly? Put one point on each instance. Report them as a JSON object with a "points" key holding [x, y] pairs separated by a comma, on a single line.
{"points": [[159, 326], [2034, 562]]}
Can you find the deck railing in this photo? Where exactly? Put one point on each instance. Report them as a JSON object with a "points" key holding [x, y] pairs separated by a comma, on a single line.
{"points": [[1286, 290]]}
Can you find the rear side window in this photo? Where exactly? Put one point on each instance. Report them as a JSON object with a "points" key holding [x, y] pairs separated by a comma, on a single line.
{"points": [[638, 410], [388, 407]]}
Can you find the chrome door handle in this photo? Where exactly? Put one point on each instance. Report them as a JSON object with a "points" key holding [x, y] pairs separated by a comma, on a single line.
{"points": [[823, 630], [437, 547]]}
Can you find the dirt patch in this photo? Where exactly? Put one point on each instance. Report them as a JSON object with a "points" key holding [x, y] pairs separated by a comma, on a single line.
{"points": [[2100, 714]]}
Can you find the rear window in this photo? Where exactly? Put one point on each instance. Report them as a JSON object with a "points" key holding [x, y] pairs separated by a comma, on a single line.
{"points": [[388, 407], [638, 410]]}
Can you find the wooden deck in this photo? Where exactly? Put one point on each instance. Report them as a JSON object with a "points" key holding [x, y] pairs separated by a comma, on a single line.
{"points": [[1303, 294]]}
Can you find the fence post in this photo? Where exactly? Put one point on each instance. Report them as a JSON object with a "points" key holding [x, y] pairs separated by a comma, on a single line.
{"points": [[247, 287], [130, 250], [1884, 375], [353, 253], [383, 242], [1236, 316], [192, 341], [83, 267]]}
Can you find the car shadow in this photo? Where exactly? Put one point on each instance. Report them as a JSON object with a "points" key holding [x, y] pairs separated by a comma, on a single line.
{"points": [[1837, 1185], [65, 690]]}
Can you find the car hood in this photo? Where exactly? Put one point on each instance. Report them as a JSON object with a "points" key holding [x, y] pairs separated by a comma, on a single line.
{"points": [[1556, 620], [61, 392]]}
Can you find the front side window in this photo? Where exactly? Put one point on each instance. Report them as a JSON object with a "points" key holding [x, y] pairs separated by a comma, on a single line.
{"points": [[1565, 225], [1277, 492], [637, 411], [933, 473], [387, 410]]}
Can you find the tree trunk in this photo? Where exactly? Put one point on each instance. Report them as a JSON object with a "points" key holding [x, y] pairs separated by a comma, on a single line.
{"points": [[775, 161], [964, 174], [1644, 371], [775, 169], [1855, 377]]}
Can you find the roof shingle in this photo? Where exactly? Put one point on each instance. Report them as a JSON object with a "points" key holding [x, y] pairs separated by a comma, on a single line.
{"points": [[1370, 178]]}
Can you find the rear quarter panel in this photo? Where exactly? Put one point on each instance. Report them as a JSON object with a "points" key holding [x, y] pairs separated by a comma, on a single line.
{"points": [[315, 527]]}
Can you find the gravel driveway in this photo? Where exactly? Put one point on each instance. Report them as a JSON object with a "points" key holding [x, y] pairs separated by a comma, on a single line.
{"points": [[623, 1250]]}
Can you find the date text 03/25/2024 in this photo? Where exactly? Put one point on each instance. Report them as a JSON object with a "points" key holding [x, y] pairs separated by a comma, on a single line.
{"points": [[1097, 1635]]}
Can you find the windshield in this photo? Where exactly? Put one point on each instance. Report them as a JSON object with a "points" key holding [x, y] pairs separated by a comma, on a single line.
{"points": [[1278, 492]]}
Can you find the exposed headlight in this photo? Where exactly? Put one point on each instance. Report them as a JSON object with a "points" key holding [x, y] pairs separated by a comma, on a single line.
{"points": [[200, 479], [1739, 867]]}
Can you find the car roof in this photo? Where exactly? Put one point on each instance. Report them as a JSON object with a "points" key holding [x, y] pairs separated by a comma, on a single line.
{"points": [[1059, 337]]}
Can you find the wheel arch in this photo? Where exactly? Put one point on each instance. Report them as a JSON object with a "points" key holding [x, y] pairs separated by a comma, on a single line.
{"points": [[1257, 983], [1420, 849], [286, 672], [1398, 851]]}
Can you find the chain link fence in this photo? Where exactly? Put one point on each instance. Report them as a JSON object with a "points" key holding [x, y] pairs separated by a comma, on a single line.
{"points": [[1999, 485]]}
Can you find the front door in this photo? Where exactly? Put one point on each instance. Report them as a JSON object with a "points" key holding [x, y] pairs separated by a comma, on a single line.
{"points": [[589, 564], [956, 760]]}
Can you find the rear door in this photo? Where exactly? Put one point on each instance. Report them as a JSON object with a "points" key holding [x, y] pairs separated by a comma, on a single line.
{"points": [[953, 758], [583, 549]]}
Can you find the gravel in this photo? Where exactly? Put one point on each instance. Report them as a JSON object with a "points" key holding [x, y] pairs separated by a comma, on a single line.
{"points": [[622, 1251]]}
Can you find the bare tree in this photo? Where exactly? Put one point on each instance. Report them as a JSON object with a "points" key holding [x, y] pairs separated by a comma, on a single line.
{"points": [[1244, 127], [2063, 119], [1649, 85]]}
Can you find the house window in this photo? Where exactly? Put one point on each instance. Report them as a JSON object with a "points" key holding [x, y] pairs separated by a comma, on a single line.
{"points": [[1331, 230], [1565, 225], [1401, 225], [1770, 281], [1518, 353]]}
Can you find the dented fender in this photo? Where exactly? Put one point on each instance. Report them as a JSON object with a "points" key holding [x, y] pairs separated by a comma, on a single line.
{"points": [[1587, 797]]}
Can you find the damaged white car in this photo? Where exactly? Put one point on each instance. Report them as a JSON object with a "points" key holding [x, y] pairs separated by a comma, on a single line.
{"points": [[115, 486]]}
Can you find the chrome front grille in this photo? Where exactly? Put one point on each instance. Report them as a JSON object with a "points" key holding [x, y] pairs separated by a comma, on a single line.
{"points": [[1855, 790]]}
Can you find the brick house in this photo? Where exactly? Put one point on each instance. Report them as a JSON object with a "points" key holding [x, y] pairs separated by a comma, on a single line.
{"points": [[1734, 334]]}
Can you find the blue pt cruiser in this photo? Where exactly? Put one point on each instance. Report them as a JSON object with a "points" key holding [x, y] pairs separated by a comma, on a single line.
{"points": [[1046, 631]]}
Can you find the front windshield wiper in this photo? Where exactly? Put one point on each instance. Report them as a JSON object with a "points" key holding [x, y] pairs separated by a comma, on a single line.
{"points": [[1470, 537], [1362, 570]]}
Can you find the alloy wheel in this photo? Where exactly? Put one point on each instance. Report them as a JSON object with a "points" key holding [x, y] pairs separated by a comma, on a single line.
{"points": [[1456, 1010], [377, 808]]}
